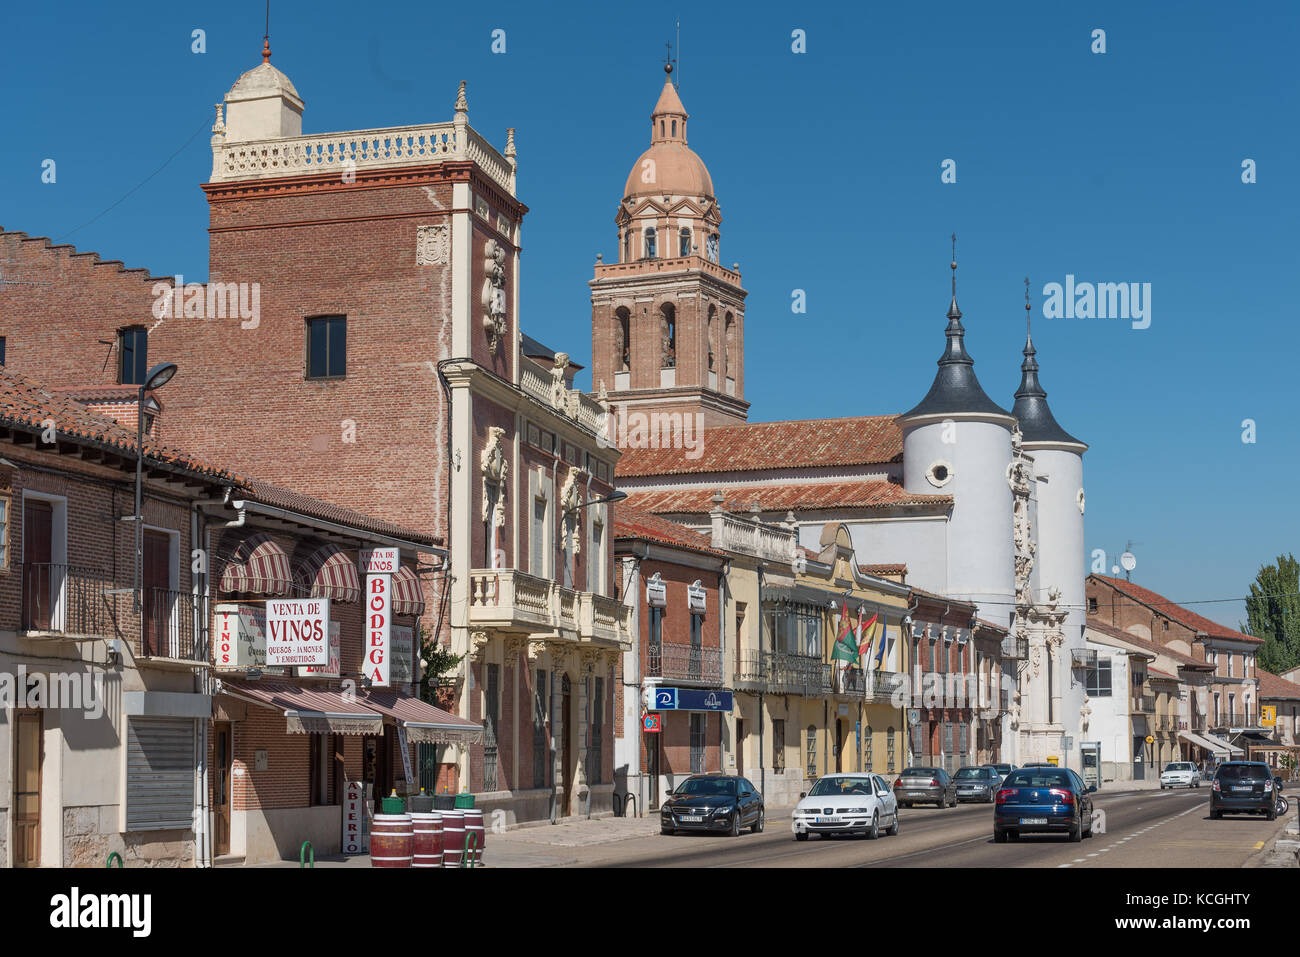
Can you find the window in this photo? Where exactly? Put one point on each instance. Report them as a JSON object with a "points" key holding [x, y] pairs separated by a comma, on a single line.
{"points": [[650, 242], [4, 532], [698, 725], [596, 559], [133, 353], [537, 539], [2, 350], [540, 750], [889, 751], [867, 763], [684, 243], [812, 751], [674, 127], [595, 759], [1230, 656], [778, 745], [327, 349], [1092, 605], [697, 649], [1098, 679]]}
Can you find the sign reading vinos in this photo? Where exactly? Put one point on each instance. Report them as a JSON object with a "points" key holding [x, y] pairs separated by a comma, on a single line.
{"points": [[297, 631]]}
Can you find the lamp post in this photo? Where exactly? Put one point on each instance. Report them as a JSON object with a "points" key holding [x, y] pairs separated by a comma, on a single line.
{"points": [[156, 378]]}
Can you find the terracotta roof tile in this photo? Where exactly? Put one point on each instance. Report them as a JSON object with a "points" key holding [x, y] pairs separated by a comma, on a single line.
{"points": [[762, 446], [278, 497], [1177, 613], [858, 493], [883, 569], [632, 523], [1275, 686]]}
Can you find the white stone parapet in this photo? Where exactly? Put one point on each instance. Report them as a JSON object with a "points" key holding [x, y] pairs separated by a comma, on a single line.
{"points": [[341, 153]]}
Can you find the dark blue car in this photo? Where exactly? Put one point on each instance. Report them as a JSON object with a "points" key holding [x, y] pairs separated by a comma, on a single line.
{"points": [[1038, 800]]}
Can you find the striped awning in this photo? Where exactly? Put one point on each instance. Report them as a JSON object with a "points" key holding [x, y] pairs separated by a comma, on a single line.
{"points": [[424, 723], [408, 599], [330, 573], [309, 710], [259, 567]]}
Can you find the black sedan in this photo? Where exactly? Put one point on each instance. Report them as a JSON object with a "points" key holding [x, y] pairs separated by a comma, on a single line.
{"points": [[713, 802]]}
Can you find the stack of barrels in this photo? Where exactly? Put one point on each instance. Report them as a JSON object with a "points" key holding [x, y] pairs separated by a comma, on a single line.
{"points": [[423, 837]]}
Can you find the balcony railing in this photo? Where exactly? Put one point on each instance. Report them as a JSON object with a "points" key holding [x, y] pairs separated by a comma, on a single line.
{"points": [[511, 600], [1167, 722], [1142, 704], [66, 600], [171, 623], [685, 663], [735, 533], [1235, 719], [1015, 648], [781, 673]]}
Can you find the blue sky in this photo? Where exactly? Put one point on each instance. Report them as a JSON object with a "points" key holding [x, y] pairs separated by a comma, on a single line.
{"points": [[1115, 167]]}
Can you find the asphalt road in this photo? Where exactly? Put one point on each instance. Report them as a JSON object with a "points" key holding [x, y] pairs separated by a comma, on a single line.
{"points": [[1141, 829]]}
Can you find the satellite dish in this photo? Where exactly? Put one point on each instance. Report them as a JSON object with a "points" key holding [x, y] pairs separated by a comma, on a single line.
{"points": [[1128, 561]]}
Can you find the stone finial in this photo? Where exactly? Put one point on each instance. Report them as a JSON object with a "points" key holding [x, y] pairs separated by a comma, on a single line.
{"points": [[717, 500], [510, 145], [219, 124], [600, 258], [462, 104]]}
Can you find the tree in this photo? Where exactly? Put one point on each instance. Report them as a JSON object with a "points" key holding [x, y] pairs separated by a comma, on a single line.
{"points": [[438, 660], [1273, 613]]}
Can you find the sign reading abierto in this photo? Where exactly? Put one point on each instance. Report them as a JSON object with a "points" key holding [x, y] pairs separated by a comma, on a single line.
{"points": [[379, 624], [297, 631], [354, 831], [379, 561]]}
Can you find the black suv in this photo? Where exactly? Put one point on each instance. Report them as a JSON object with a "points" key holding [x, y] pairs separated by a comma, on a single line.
{"points": [[1243, 787]]}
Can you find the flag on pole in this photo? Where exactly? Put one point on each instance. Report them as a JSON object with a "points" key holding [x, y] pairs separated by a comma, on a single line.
{"points": [[864, 634], [846, 649], [880, 651]]}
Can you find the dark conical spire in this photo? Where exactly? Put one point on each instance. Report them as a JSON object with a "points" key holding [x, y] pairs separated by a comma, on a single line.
{"points": [[955, 388], [1037, 424]]}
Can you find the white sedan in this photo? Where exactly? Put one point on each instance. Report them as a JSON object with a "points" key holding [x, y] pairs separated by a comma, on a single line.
{"points": [[1180, 774], [860, 804]]}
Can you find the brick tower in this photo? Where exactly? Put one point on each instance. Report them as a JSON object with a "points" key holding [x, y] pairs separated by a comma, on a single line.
{"points": [[667, 320]]}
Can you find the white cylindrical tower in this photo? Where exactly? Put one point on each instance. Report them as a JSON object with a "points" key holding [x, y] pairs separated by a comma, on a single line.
{"points": [[1061, 566], [957, 442]]}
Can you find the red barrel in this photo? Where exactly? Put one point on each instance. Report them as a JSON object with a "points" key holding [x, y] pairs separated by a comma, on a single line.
{"points": [[453, 837], [427, 845], [474, 819], [391, 840]]}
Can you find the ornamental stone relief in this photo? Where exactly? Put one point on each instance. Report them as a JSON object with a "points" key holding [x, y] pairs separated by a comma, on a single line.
{"points": [[495, 468], [494, 292], [432, 245]]}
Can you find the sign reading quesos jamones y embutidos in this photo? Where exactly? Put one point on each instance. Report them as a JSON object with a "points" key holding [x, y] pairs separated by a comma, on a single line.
{"points": [[297, 631]]}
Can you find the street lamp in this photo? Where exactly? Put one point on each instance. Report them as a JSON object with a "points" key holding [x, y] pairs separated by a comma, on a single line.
{"points": [[156, 378], [616, 496]]}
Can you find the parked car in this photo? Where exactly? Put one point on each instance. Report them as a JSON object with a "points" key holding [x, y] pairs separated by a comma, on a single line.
{"points": [[1042, 800], [1180, 774], [1244, 787], [925, 785], [977, 784], [713, 802], [854, 804], [1003, 769]]}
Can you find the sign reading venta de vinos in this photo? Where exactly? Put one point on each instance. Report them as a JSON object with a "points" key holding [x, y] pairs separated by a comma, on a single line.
{"points": [[379, 561], [379, 624], [297, 631]]}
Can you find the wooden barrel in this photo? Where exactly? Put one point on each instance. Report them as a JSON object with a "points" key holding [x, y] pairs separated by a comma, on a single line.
{"points": [[391, 840], [474, 832], [427, 846], [453, 837], [474, 818]]}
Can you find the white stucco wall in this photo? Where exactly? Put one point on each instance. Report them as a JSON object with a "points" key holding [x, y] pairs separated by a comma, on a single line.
{"points": [[1109, 722]]}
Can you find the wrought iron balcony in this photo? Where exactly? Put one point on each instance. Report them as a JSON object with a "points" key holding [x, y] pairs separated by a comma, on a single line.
{"points": [[690, 663], [1142, 704], [780, 673], [1016, 649], [66, 601], [171, 626]]}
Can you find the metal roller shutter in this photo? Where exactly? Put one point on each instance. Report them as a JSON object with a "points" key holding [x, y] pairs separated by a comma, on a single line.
{"points": [[159, 774]]}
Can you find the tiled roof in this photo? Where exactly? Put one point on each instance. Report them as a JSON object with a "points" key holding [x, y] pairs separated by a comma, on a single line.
{"points": [[632, 523], [1145, 645], [278, 497], [992, 627], [882, 570], [1175, 612], [1163, 674], [1275, 686], [26, 405], [104, 393], [935, 596], [859, 493], [762, 446]]}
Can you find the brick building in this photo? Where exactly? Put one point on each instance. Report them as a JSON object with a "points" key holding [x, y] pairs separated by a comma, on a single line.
{"points": [[358, 342]]}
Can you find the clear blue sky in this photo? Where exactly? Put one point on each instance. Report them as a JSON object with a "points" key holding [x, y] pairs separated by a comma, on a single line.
{"points": [[1124, 166]]}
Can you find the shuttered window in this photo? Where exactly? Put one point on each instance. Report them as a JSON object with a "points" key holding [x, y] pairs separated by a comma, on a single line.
{"points": [[159, 774]]}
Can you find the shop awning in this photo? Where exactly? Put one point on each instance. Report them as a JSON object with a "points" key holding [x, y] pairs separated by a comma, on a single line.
{"points": [[332, 574], [259, 567], [1208, 742], [309, 710], [1220, 745], [407, 597], [424, 723]]}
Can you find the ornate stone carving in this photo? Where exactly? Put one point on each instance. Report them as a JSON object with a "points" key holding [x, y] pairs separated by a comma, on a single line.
{"points": [[559, 391], [478, 642], [570, 500], [432, 245], [1078, 497], [494, 292], [1085, 713], [535, 649], [495, 468]]}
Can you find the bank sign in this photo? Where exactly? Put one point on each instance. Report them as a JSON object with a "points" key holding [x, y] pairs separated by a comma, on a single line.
{"points": [[297, 631], [690, 699]]}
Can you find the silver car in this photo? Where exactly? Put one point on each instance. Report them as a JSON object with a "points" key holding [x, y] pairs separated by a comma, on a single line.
{"points": [[977, 784], [925, 786]]}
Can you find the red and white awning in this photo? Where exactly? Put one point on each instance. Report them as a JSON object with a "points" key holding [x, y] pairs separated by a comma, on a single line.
{"points": [[330, 573], [424, 723], [309, 710], [258, 567], [408, 599]]}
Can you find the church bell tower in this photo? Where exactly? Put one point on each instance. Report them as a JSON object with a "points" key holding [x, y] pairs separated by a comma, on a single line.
{"points": [[667, 319]]}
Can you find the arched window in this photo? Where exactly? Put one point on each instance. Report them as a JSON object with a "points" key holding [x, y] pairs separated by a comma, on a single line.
{"points": [[713, 336], [661, 127], [622, 339], [674, 127], [627, 245], [650, 242], [685, 242], [667, 336], [867, 762], [889, 751]]}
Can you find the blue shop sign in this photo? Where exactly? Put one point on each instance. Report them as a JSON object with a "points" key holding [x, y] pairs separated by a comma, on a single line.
{"points": [[692, 699]]}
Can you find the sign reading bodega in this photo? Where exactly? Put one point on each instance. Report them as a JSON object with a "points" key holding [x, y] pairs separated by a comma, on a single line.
{"points": [[297, 631], [379, 624]]}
